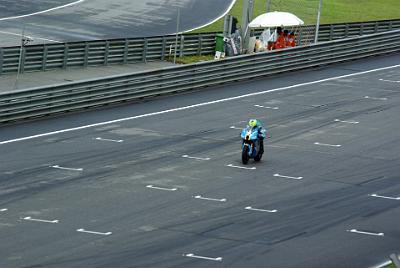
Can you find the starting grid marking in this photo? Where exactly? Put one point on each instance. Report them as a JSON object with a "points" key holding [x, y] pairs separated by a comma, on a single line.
{"points": [[196, 158], [375, 98], [365, 232], [287, 177], [209, 199], [93, 232], [39, 220], [66, 168], [261, 210], [240, 167], [110, 140], [191, 255], [328, 145], [390, 81], [347, 122], [385, 197], [161, 188], [238, 128], [266, 107]]}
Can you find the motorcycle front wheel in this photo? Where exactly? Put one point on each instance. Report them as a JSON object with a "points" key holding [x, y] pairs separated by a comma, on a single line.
{"points": [[245, 155]]}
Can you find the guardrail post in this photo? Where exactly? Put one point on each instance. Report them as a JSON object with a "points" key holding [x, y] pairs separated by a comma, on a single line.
{"points": [[376, 27], [346, 30], [182, 46], [395, 260], [126, 51], [86, 57], [200, 45], [145, 47], [1, 60], [44, 59], [362, 29], [23, 59], [65, 61], [106, 52], [331, 32], [164, 44], [390, 25]]}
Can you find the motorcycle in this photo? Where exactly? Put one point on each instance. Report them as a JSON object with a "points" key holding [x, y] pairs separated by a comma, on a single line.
{"points": [[252, 145]]}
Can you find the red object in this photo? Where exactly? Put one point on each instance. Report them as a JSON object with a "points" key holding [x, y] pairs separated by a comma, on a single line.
{"points": [[291, 41], [280, 42]]}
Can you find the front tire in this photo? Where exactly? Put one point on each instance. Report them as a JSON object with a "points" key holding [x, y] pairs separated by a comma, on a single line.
{"points": [[245, 155]]}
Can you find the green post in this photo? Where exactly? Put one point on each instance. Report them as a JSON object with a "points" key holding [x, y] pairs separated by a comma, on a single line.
{"points": [[219, 43]]}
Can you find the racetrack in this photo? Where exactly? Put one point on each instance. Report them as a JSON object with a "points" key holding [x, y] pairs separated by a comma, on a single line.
{"points": [[62, 20], [129, 178]]}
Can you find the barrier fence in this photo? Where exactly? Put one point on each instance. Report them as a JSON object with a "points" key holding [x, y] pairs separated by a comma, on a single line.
{"points": [[123, 51], [38, 102]]}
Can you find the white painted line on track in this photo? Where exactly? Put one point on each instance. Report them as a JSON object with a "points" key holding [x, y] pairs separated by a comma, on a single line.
{"points": [[233, 127], [3, 209], [209, 199], [287, 177], [385, 197], [374, 98], [39, 220], [31, 37], [383, 264], [43, 11], [240, 167], [161, 188], [101, 139], [191, 255], [261, 210], [328, 145], [216, 19], [92, 232], [66, 168], [194, 105], [347, 122], [364, 232], [390, 81], [196, 158], [266, 107]]}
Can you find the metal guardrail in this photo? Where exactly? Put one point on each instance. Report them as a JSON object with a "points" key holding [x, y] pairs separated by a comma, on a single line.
{"points": [[38, 102], [123, 51], [330, 32], [102, 52]]}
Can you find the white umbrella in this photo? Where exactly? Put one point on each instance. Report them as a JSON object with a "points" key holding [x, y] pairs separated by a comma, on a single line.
{"points": [[275, 19]]}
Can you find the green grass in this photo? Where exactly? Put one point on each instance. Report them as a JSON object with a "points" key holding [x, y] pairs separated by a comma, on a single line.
{"points": [[391, 266], [333, 11], [191, 59]]}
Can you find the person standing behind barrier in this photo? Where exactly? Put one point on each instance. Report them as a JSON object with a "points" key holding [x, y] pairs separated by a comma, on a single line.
{"points": [[286, 36], [280, 40], [291, 40]]}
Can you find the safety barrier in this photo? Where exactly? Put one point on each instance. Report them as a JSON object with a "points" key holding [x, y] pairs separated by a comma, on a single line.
{"points": [[330, 32], [123, 51], [102, 52], [38, 102]]}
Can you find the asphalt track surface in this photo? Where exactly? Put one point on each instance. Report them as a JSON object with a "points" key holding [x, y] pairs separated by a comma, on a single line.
{"points": [[101, 19], [77, 181]]}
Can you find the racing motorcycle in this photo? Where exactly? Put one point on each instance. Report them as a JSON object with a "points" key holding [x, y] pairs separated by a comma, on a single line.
{"points": [[252, 145]]}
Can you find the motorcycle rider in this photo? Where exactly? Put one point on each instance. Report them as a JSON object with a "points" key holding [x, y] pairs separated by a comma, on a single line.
{"points": [[257, 126]]}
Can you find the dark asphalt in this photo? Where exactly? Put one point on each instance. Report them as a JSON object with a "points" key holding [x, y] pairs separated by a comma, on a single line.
{"points": [[155, 228], [103, 19]]}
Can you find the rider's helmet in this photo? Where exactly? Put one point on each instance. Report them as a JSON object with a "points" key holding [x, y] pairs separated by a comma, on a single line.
{"points": [[253, 122]]}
